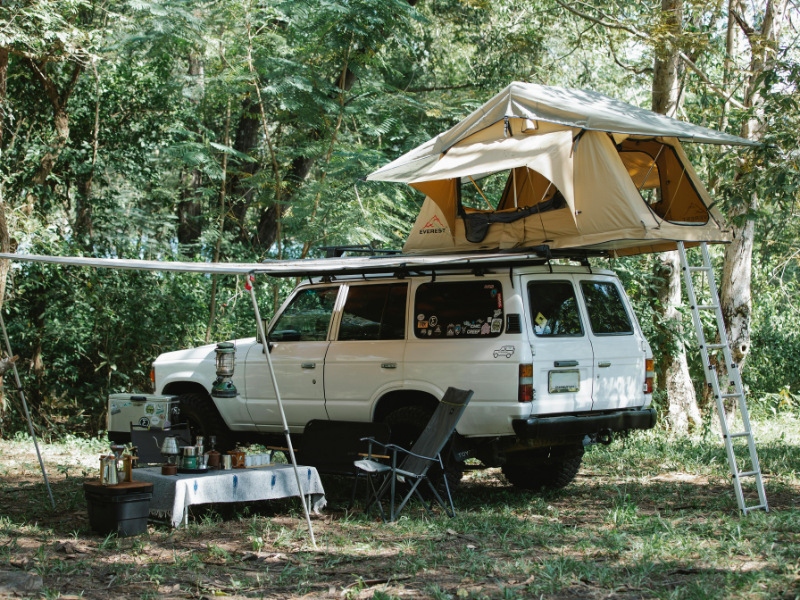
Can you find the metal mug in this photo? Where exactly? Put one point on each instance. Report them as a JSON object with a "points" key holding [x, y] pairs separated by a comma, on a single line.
{"points": [[108, 470], [227, 462]]}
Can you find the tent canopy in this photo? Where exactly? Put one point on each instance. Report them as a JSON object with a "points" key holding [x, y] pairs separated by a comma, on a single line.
{"points": [[583, 171]]}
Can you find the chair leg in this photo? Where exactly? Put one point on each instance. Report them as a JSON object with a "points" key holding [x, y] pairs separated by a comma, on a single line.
{"points": [[406, 499], [377, 500], [355, 487], [449, 495], [441, 502]]}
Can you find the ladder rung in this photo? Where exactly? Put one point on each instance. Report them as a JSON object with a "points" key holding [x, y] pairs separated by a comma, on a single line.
{"points": [[699, 268], [748, 473], [734, 395], [716, 346], [738, 435], [707, 307], [746, 508]]}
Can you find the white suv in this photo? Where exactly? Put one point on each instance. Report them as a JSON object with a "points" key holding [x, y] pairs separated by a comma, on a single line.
{"points": [[555, 356]]}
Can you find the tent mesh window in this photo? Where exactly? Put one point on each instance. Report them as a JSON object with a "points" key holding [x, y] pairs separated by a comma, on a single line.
{"points": [[663, 181], [526, 192]]}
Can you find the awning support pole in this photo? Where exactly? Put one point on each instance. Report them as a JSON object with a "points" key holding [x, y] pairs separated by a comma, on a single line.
{"points": [[25, 406], [265, 343]]}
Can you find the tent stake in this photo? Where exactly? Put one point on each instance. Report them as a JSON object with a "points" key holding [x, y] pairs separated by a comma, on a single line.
{"points": [[27, 414], [265, 342]]}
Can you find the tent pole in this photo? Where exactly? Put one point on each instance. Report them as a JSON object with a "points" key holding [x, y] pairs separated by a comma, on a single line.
{"points": [[27, 414], [251, 288]]}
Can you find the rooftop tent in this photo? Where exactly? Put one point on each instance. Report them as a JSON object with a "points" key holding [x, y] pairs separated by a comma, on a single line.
{"points": [[567, 168]]}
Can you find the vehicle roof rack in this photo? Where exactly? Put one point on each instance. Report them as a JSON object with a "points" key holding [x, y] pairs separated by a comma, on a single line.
{"points": [[339, 251]]}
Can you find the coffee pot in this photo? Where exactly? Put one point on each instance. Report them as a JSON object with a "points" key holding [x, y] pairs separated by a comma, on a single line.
{"points": [[169, 447]]}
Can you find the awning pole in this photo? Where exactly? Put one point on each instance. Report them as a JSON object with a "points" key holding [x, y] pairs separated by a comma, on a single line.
{"points": [[25, 406], [251, 288]]}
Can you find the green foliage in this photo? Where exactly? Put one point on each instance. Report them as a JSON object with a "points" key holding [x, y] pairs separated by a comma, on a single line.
{"points": [[346, 87]]}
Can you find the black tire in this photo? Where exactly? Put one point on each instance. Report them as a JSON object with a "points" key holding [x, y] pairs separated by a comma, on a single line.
{"points": [[554, 475], [203, 418], [407, 424]]}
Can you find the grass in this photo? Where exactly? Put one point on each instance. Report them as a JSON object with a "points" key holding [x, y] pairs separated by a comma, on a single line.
{"points": [[648, 517]]}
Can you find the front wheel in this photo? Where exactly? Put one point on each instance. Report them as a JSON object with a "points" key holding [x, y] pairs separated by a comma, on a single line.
{"points": [[199, 412]]}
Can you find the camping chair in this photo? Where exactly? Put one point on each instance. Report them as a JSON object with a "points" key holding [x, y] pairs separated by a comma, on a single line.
{"points": [[423, 454], [148, 448]]}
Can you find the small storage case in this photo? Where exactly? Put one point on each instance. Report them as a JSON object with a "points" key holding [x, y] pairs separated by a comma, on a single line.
{"points": [[120, 509], [145, 410]]}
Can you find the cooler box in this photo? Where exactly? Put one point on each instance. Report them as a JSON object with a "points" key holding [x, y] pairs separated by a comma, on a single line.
{"points": [[146, 410]]}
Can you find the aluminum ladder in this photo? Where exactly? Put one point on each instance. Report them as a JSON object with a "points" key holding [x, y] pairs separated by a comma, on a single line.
{"points": [[734, 377]]}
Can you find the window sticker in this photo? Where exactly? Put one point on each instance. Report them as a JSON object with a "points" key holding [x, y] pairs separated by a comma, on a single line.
{"points": [[541, 321], [452, 309]]}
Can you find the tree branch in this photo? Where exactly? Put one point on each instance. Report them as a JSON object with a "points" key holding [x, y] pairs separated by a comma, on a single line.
{"points": [[607, 24], [72, 81], [45, 81], [748, 31], [721, 93]]}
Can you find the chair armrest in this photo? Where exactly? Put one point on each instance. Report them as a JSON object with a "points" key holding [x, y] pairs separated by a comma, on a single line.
{"points": [[374, 455], [395, 447], [374, 441]]}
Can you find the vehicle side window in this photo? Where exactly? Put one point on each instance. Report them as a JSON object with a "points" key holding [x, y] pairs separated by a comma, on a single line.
{"points": [[374, 312], [459, 309], [607, 312], [307, 317], [554, 309]]}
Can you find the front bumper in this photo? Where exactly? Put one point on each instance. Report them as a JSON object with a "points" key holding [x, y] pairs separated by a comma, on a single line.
{"points": [[554, 427]]}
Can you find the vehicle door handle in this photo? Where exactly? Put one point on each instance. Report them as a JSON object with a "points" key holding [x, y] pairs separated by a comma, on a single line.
{"points": [[308, 366], [565, 363], [603, 365], [388, 365]]}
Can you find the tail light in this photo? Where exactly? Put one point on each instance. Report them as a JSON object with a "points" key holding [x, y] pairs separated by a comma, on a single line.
{"points": [[153, 377], [525, 383], [648, 376]]}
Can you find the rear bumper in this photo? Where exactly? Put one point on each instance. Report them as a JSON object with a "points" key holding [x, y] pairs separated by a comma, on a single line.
{"points": [[552, 427]]}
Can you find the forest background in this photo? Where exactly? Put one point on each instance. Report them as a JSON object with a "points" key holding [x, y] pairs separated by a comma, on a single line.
{"points": [[237, 131]]}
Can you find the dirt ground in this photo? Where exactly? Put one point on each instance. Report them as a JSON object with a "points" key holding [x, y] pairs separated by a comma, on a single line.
{"points": [[645, 518]]}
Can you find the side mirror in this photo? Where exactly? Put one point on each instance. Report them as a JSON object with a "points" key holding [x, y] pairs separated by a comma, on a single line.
{"points": [[258, 331]]}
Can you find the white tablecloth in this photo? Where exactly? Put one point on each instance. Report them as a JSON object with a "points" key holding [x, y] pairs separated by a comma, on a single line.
{"points": [[173, 494]]}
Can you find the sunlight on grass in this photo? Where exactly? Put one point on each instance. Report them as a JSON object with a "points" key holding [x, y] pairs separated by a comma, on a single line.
{"points": [[648, 516]]}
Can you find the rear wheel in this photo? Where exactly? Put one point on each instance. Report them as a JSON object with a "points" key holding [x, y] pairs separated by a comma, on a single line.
{"points": [[555, 474], [407, 424], [199, 412]]}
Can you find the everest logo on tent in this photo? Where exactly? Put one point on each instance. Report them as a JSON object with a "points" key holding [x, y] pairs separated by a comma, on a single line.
{"points": [[433, 226]]}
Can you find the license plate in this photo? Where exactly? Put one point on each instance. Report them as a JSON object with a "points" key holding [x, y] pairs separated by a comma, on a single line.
{"points": [[564, 382]]}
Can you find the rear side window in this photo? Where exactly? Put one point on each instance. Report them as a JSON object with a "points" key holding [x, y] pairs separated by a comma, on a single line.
{"points": [[307, 317], [374, 312], [607, 312], [554, 309], [458, 309]]}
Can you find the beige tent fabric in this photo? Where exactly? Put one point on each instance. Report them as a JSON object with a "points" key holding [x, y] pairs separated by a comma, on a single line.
{"points": [[571, 144]]}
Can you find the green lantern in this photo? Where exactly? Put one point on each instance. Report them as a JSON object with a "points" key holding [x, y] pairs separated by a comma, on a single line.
{"points": [[226, 361]]}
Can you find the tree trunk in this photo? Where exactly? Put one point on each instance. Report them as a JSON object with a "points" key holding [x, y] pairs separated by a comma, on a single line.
{"points": [[673, 369], [58, 100], [5, 238], [83, 206], [190, 208], [246, 139], [737, 269]]}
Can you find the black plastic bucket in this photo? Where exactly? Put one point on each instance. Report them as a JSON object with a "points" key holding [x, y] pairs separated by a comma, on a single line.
{"points": [[124, 515]]}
